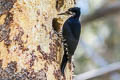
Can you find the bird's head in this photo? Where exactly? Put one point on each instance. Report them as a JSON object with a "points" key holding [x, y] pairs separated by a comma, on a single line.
{"points": [[72, 11]]}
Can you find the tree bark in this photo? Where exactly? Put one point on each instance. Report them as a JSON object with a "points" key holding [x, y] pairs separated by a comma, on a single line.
{"points": [[30, 49]]}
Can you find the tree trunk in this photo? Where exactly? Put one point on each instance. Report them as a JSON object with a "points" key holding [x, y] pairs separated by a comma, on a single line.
{"points": [[30, 49]]}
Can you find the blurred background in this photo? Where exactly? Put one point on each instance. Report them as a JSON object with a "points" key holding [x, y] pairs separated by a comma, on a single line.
{"points": [[99, 46]]}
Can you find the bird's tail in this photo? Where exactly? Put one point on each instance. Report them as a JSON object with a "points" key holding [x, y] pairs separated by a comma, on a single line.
{"points": [[64, 62]]}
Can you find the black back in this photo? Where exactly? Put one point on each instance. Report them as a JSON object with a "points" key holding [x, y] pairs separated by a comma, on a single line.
{"points": [[71, 33]]}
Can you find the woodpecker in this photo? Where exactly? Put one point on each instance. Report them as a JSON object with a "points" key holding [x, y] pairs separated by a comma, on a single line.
{"points": [[71, 32]]}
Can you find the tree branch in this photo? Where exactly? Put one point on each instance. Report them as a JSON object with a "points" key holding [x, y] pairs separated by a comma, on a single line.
{"points": [[99, 72], [102, 12]]}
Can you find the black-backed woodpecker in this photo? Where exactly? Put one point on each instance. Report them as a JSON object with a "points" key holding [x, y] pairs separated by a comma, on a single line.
{"points": [[71, 32]]}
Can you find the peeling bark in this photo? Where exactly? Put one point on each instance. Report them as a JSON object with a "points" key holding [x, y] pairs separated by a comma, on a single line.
{"points": [[30, 48]]}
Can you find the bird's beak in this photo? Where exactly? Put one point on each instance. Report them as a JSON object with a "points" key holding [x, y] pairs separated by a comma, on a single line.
{"points": [[66, 13]]}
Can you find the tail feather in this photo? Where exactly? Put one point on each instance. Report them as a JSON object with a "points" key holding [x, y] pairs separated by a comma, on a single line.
{"points": [[64, 62]]}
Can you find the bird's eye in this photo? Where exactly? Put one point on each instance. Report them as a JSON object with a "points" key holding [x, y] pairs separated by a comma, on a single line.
{"points": [[70, 9]]}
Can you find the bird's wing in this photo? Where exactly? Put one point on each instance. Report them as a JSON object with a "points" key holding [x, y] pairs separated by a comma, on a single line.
{"points": [[67, 33], [70, 38]]}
